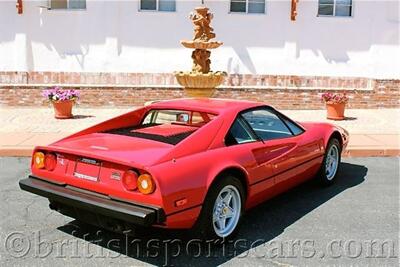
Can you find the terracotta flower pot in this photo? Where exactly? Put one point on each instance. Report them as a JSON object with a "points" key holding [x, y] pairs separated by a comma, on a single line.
{"points": [[335, 111], [63, 109]]}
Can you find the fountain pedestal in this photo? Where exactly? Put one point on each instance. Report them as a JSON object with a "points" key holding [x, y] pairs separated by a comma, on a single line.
{"points": [[201, 81]]}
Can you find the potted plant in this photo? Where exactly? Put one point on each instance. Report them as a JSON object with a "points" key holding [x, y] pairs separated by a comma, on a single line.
{"points": [[62, 100], [335, 105]]}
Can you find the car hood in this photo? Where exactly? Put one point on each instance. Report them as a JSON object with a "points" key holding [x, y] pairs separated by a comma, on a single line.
{"points": [[119, 148]]}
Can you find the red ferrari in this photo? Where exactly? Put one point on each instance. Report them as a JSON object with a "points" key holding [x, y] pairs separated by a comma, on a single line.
{"points": [[183, 163]]}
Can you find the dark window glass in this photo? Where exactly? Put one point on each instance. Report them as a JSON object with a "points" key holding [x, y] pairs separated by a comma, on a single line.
{"points": [[166, 5], [343, 2], [249, 6], [343, 11], [238, 134], [266, 124], [326, 2], [238, 6], [293, 127], [341, 8], [325, 10], [148, 4], [256, 6], [77, 4]]}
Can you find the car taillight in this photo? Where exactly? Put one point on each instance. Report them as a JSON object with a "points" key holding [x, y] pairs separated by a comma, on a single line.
{"points": [[50, 161], [146, 184], [38, 160], [130, 179]]}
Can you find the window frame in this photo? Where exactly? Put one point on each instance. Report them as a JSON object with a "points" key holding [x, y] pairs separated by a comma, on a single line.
{"points": [[247, 9], [280, 116], [157, 7], [334, 10], [49, 6]]}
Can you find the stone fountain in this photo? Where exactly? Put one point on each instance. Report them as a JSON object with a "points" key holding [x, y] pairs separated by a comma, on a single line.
{"points": [[201, 81]]}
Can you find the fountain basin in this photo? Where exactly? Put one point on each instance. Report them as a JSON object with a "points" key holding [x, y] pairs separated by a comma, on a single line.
{"points": [[201, 44], [200, 84]]}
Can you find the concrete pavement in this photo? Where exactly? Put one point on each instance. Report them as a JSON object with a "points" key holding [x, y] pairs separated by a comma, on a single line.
{"points": [[354, 222], [373, 132]]}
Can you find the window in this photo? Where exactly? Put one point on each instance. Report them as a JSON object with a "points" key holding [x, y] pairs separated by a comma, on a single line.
{"points": [[248, 6], [191, 118], [266, 124], [338, 8], [239, 133], [158, 5], [67, 4], [296, 130]]}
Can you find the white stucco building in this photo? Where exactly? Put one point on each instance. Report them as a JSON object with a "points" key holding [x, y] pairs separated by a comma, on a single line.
{"points": [[123, 53], [344, 38]]}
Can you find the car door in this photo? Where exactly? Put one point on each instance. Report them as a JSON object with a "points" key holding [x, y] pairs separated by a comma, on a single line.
{"points": [[249, 149], [284, 148]]}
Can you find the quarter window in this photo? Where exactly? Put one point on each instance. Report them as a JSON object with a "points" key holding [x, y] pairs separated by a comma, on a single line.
{"points": [[335, 8], [158, 5], [248, 6], [239, 133], [266, 124], [296, 130], [67, 4]]}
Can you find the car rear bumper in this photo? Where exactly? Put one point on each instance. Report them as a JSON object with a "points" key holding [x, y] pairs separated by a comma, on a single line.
{"points": [[79, 204]]}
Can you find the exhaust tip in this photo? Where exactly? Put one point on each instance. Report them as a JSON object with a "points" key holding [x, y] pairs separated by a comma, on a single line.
{"points": [[53, 206]]}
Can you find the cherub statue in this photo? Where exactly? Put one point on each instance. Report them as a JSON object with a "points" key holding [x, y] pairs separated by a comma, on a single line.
{"points": [[201, 20], [201, 61]]}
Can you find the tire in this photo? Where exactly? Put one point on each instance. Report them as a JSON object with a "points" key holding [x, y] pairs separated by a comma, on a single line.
{"points": [[222, 210], [331, 162]]}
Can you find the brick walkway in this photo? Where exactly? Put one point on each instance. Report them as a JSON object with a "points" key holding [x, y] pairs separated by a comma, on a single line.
{"points": [[373, 132]]}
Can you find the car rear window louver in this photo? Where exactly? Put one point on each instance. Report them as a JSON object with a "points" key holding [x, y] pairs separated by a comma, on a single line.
{"points": [[170, 139]]}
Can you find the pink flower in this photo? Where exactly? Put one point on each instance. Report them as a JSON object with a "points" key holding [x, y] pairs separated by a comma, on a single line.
{"points": [[334, 98], [58, 94]]}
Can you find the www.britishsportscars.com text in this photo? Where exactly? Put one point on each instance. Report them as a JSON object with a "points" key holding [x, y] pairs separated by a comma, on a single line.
{"points": [[20, 244]]}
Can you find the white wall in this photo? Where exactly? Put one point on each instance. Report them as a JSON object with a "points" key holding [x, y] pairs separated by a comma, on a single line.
{"points": [[113, 36]]}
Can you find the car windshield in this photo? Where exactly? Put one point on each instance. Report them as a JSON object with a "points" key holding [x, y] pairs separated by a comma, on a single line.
{"points": [[167, 126]]}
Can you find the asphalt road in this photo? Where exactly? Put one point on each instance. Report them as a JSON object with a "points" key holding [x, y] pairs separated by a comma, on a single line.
{"points": [[354, 222]]}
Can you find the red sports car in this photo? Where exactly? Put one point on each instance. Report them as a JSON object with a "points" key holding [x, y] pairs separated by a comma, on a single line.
{"points": [[183, 163]]}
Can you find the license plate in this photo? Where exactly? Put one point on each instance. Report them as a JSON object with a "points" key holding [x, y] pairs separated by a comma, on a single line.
{"points": [[88, 169]]}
